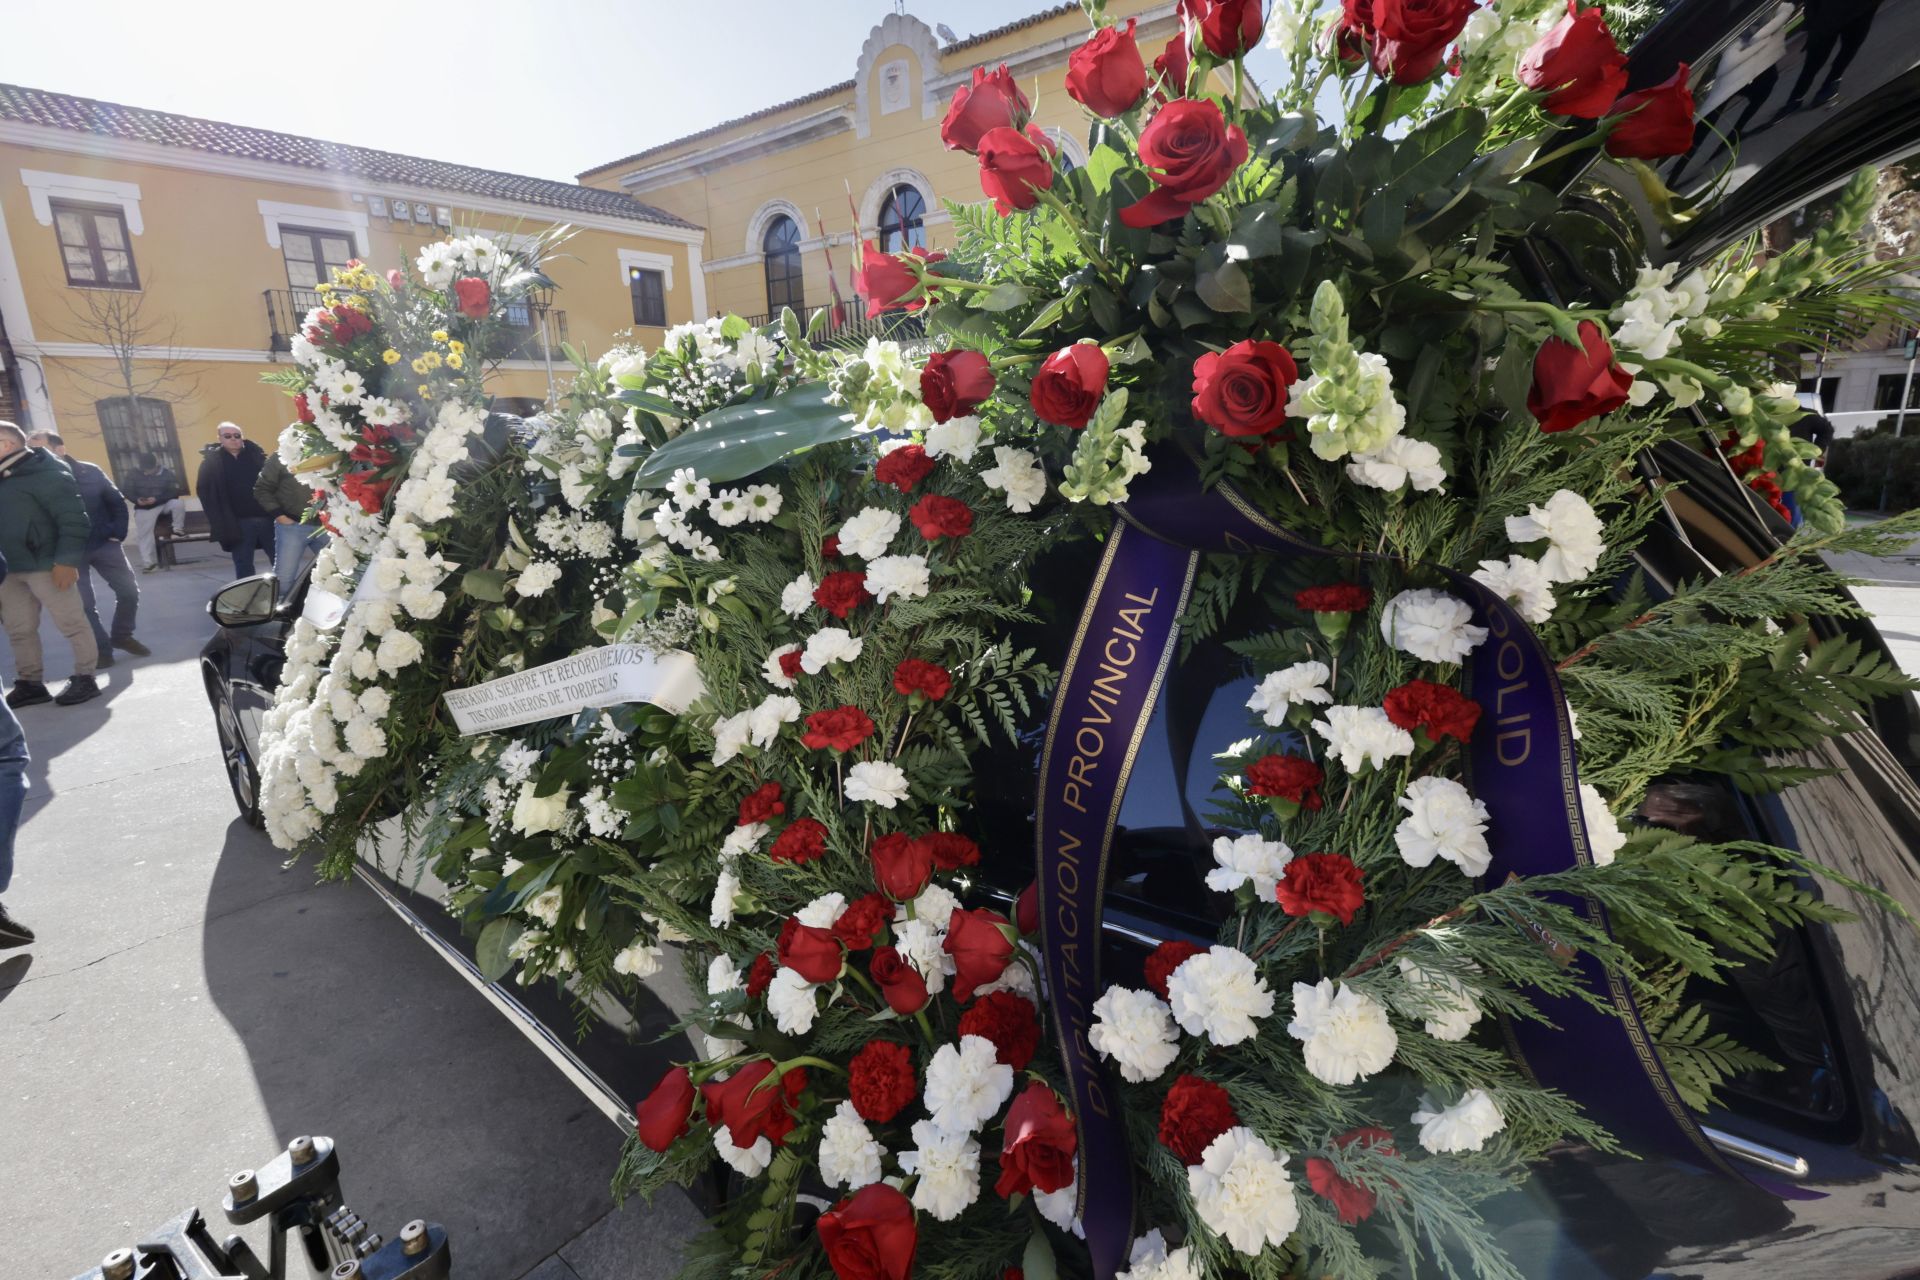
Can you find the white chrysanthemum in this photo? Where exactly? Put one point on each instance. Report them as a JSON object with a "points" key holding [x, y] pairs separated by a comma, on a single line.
{"points": [[1249, 859], [728, 508], [829, 645], [868, 533], [637, 959], [1464, 1126], [1431, 625], [1572, 530], [1152, 1260], [1281, 691], [1136, 1031], [1399, 463], [947, 1165], [1345, 1035], [723, 975], [791, 1001], [1604, 836], [849, 1155], [687, 489], [1451, 1009], [765, 721], [797, 596], [726, 899], [748, 1162], [1241, 1190], [1522, 583], [771, 669], [1444, 821], [966, 1085], [763, 502], [1219, 994], [955, 438], [1018, 474], [903, 576], [730, 736], [878, 782], [1362, 737]]}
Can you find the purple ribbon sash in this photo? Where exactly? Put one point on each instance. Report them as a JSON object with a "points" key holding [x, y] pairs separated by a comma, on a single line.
{"points": [[1522, 765]]}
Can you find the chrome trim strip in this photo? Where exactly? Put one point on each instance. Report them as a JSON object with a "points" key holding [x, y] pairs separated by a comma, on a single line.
{"points": [[1784, 1163], [581, 1076]]}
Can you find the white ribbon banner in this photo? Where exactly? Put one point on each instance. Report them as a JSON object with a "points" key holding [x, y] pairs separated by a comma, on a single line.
{"points": [[602, 677]]}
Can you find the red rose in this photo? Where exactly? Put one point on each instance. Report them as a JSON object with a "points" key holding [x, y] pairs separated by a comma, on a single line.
{"points": [[763, 804], [1189, 151], [927, 679], [1242, 391], [760, 975], [901, 867], [1572, 384], [1009, 1021], [904, 468], [300, 408], [1655, 122], [1069, 385], [899, 982], [1173, 66], [1435, 709], [864, 917], [841, 593], [811, 952], [841, 728], [1407, 38], [1335, 597], [950, 850], [880, 1079], [981, 944], [1026, 908], [1105, 75], [1352, 1201], [871, 1235], [955, 383], [750, 1112], [803, 840], [662, 1116], [992, 101], [790, 663], [1285, 777], [1228, 27], [1037, 1154], [885, 279], [937, 517], [1324, 882], [1164, 959], [474, 295], [1579, 61], [1015, 167], [1195, 1112], [361, 487]]}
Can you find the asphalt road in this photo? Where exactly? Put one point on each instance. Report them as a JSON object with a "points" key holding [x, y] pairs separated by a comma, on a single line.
{"points": [[193, 1003]]}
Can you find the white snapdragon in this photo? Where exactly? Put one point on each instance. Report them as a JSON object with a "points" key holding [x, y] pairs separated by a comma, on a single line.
{"points": [[1135, 1030], [1431, 625], [966, 1084], [1251, 859], [1241, 1190], [869, 532], [1350, 409], [877, 782], [1443, 821], [1522, 583], [1464, 1126], [902, 576], [1572, 532], [1400, 463], [1281, 691], [1018, 474], [1363, 737], [1220, 994], [1450, 1009], [849, 1154], [946, 1164], [1604, 836], [1344, 1033], [828, 646]]}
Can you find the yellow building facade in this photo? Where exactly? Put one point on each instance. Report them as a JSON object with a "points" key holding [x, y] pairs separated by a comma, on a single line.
{"points": [[153, 266], [779, 191]]}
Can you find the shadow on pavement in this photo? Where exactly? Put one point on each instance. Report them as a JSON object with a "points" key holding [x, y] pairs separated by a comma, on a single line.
{"points": [[13, 972]]}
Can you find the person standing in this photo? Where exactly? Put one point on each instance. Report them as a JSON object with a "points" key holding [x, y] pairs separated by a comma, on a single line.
{"points": [[107, 519], [43, 536], [13, 794], [284, 498], [239, 523], [155, 491]]}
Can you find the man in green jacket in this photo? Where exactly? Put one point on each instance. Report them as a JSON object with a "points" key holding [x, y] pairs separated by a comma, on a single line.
{"points": [[43, 535]]}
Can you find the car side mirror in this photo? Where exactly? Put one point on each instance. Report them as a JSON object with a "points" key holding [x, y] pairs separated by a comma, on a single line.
{"points": [[246, 603]]}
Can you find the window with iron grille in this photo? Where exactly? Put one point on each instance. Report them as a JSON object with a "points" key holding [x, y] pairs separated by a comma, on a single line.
{"points": [[94, 245], [649, 289], [132, 426], [785, 287], [312, 256]]}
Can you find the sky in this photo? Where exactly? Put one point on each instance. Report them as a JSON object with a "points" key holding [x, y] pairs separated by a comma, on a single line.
{"points": [[549, 89]]}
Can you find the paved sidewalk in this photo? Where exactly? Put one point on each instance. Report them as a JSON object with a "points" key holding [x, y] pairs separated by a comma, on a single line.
{"points": [[194, 1003], [1890, 590]]}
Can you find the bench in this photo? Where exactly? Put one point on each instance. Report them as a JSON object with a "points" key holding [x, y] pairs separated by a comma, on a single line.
{"points": [[166, 536]]}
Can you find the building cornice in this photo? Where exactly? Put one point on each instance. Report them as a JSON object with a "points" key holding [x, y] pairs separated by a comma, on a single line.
{"points": [[792, 133], [47, 138]]}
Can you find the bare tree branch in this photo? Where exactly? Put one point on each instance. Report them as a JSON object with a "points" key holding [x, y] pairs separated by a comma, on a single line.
{"points": [[143, 350]]}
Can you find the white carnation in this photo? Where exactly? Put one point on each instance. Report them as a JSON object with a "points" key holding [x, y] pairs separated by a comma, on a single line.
{"points": [[764, 721], [730, 736], [1152, 1260], [922, 944], [771, 669], [1397, 464], [935, 905], [1431, 625], [748, 1162], [1019, 474], [948, 1167], [723, 975], [849, 1155], [1249, 859], [791, 1001], [1464, 1126], [1219, 994], [1450, 1008], [1241, 1190], [1136, 1031], [1522, 583], [903, 576], [742, 839], [966, 1084], [877, 781], [797, 596], [1445, 821], [1572, 532], [829, 645], [1345, 1034], [637, 959], [726, 899], [1062, 1207], [1362, 737], [869, 533], [1604, 836], [1281, 691], [954, 438], [822, 911]]}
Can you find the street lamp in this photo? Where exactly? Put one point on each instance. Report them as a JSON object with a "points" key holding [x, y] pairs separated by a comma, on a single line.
{"points": [[540, 298]]}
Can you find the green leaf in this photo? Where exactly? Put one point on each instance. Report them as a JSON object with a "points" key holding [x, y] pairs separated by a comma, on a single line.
{"points": [[1037, 1261], [1049, 314], [1102, 163], [485, 584], [647, 402], [742, 439], [1225, 288], [1002, 297], [1258, 232], [490, 953]]}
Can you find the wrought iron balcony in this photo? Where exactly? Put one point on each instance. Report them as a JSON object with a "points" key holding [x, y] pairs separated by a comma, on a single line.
{"points": [[286, 311]]}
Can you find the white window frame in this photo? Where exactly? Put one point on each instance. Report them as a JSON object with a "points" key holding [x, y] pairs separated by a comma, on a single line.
{"points": [[44, 188], [314, 217]]}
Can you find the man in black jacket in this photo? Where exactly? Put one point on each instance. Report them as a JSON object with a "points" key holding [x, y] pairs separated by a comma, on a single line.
{"points": [[107, 521], [13, 795], [225, 486], [155, 491]]}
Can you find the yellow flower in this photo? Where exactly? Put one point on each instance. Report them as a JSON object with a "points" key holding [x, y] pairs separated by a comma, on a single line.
{"points": [[456, 361], [390, 356], [439, 335], [420, 365], [433, 359], [425, 391], [456, 346]]}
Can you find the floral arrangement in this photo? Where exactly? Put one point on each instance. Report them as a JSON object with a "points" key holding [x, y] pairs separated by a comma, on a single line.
{"points": [[1315, 323]]}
